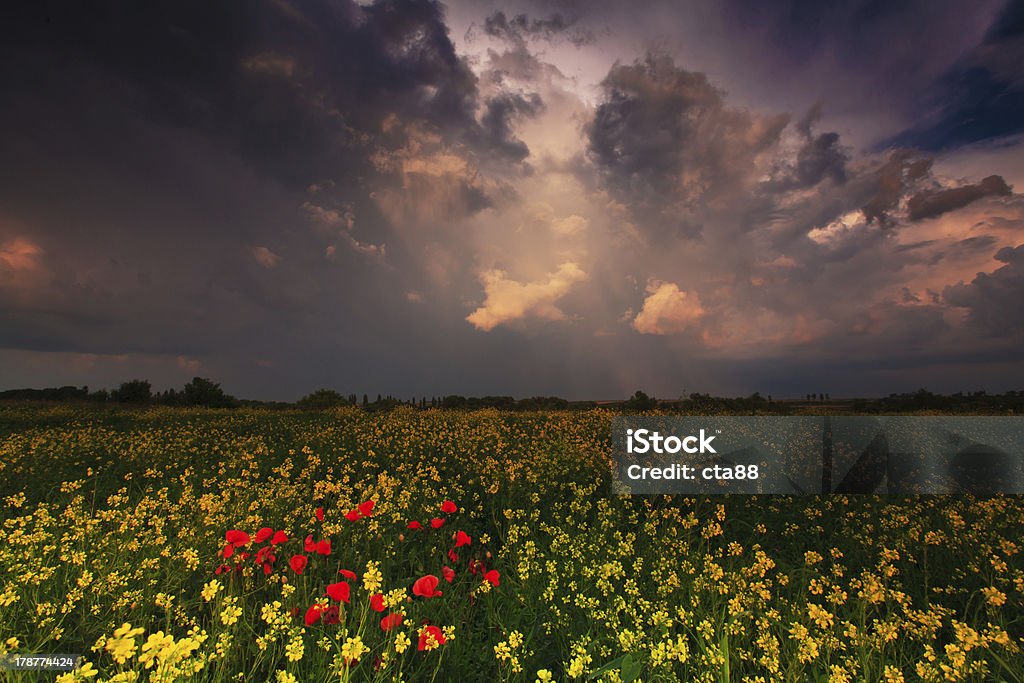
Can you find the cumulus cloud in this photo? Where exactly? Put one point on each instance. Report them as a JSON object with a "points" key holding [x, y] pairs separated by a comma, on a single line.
{"points": [[668, 310], [665, 143], [993, 300], [507, 300]]}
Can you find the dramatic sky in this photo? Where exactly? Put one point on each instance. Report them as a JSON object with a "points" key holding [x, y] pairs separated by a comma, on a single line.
{"points": [[569, 197]]}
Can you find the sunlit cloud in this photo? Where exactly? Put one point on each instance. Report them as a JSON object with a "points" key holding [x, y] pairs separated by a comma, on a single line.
{"points": [[507, 300]]}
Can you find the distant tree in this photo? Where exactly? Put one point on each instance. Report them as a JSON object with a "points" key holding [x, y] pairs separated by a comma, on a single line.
{"points": [[134, 391], [641, 401], [171, 398], [322, 398], [203, 392]]}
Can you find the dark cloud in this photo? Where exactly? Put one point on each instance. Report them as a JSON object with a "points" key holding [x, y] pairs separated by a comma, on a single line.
{"points": [[820, 157], [323, 77], [891, 182], [520, 28], [994, 299], [934, 203], [497, 122], [181, 137], [663, 140]]}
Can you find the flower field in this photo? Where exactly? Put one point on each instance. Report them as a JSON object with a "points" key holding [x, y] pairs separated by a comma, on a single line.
{"points": [[251, 545]]}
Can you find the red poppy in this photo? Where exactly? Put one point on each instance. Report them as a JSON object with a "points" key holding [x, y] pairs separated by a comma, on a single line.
{"points": [[295, 611], [437, 522], [476, 567], [267, 568], [391, 621], [265, 554], [453, 556], [348, 574], [279, 538], [243, 557], [263, 534], [426, 586], [339, 592], [228, 551], [320, 514], [236, 538], [331, 616], [414, 525], [448, 507], [430, 631], [448, 573], [493, 577], [313, 615], [461, 539], [221, 569], [309, 545], [377, 602], [298, 563], [353, 515], [366, 509], [324, 547]]}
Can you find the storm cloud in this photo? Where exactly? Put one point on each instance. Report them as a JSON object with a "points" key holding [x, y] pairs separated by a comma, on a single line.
{"points": [[410, 197]]}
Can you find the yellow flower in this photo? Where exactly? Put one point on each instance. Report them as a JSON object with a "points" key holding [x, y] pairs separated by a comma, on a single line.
{"points": [[86, 670], [353, 649], [154, 647], [372, 578], [544, 676], [121, 649], [402, 643], [891, 674], [122, 646], [294, 649], [210, 590], [994, 596]]}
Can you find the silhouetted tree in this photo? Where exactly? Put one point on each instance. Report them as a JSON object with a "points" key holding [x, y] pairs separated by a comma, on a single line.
{"points": [[641, 401], [322, 398], [134, 391]]}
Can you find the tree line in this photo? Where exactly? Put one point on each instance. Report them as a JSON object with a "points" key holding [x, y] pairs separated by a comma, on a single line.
{"points": [[204, 392]]}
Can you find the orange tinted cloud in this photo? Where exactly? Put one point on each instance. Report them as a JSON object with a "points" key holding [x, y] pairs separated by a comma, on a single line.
{"points": [[509, 300], [668, 310]]}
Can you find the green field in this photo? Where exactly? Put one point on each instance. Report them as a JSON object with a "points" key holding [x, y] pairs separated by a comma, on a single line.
{"points": [[115, 524]]}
